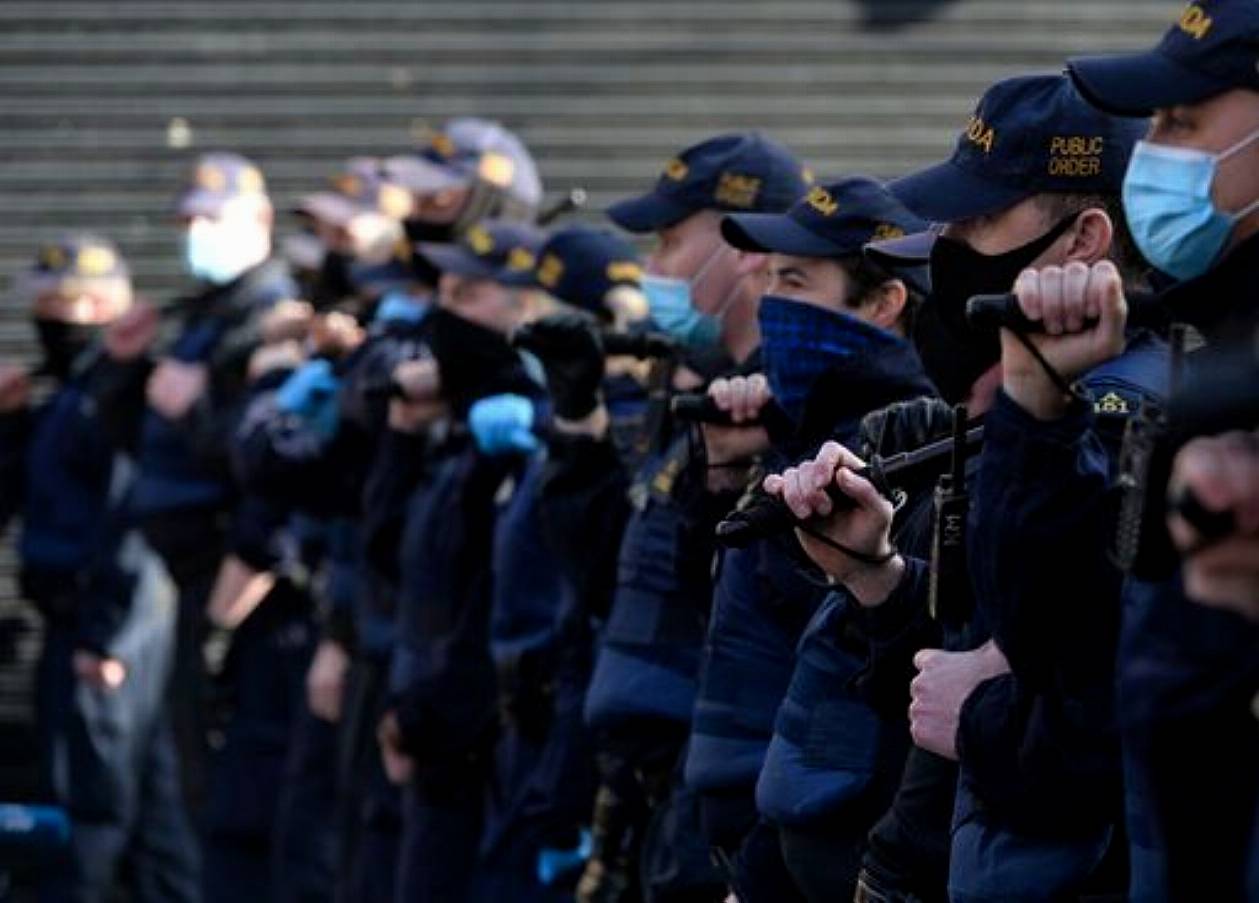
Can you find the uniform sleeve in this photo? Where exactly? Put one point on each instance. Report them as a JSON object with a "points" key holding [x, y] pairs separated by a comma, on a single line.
{"points": [[15, 430], [397, 468], [1042, 518], [106, 599], [284, 457], [1043, 739], [894, 632], [901, 625], [210, 427], [118, 390], [584, 508]]}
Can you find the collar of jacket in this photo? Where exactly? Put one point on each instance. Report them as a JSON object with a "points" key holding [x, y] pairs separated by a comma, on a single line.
{"points": [[1222, 303]]}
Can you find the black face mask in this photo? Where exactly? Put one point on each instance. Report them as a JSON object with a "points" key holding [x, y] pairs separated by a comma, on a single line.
{"points": [[420, 231], [953, 353], [63, 343], [474, 361], [332, 283]]}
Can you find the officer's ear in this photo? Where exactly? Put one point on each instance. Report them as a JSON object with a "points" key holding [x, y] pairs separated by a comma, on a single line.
{"points": [[1090, 238], [888, 305]]}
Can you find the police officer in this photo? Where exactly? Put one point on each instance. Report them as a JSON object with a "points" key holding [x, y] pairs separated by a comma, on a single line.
{"points": [[1187, 673], [298, 437], [108, 604], [704, 295], [470, 170], [833, 346], [1005, 211], [438, 735], [325, 429], [179, 411], [351, 251], [539, 633]]}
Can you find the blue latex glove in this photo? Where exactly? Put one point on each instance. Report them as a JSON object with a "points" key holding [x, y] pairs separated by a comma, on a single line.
{"points": [[553, 865], [503, 425], [310, 392]]}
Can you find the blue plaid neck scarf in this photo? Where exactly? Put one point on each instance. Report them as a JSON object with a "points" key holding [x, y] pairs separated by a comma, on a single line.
{"points": [[801, 341]]}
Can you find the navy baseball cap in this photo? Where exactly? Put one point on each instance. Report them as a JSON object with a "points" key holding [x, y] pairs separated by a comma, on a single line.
{"points": [[217, 178], [914, 248], [835, 220], [75, 262], [490, 249], [1029, 135], [468, 150], [359, 188], [1211, 48], [579, 265], [742, 171]]}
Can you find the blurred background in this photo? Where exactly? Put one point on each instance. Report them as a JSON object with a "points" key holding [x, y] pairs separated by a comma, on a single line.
{"points": [[102, 104]]}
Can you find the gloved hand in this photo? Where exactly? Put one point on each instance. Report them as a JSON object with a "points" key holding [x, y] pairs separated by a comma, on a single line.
{"points": [[503, 425], [570, 350], [311, 393], [905, 425]]}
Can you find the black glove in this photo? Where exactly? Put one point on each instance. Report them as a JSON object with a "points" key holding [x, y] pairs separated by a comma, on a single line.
{"points": [[905, 425], [569, 347]]}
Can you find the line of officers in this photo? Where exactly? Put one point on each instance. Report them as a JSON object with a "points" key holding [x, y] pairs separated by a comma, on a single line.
{"points": [[412, 590]]}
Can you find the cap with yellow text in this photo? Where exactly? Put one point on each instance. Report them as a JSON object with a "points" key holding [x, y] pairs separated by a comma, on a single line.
{"points": [[1212, 47], [216, 179], [734, 172], [579, 265], [1033, 134], [74, 263]]}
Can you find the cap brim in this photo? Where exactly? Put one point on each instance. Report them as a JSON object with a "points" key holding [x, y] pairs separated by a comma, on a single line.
{"points": [[199, 202], [946, 193], [304, 251], [328, 207], [1137, 84], [908, 250], [517, 278], [456, 260], [420, 175], [647, 213], [30, 284], [775, 233]]}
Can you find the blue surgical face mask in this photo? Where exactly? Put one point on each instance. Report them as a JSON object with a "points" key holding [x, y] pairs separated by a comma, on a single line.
{"points": [[219, 251], [399, 306], [1168, 204], [672, 306]]}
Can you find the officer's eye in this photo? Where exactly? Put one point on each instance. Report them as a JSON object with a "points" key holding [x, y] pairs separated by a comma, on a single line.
{"points": [[1175, 120]]}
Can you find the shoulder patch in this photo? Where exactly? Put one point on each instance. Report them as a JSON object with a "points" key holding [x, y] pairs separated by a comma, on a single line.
{"points": [[1111, 403]]}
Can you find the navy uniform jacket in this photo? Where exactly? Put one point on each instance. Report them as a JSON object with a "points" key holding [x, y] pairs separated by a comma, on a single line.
{"points": [[1187, 674], [58, 467], [838, 741], [648, 660], [763, 599], [1040, 744], [185, 488], [282, 457], [442, 677], [528, 593], [100, 589]]}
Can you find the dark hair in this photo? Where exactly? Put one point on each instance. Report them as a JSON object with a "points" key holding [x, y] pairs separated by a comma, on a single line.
{"points": [[1133, 268], [866, 277]]}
